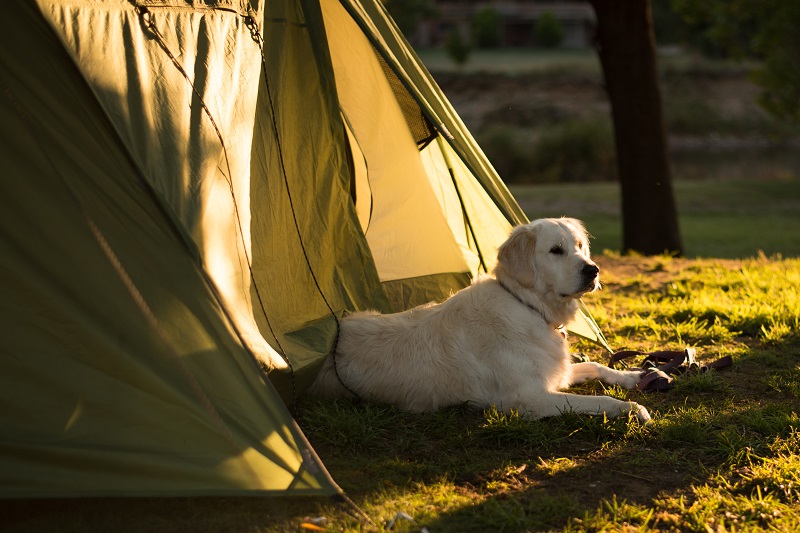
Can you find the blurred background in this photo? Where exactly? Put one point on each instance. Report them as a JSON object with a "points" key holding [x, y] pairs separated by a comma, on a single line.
{"points": [[526, 79]]}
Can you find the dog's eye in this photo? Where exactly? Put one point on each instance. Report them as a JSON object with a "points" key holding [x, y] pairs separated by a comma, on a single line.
{"points": [[557, 250]]}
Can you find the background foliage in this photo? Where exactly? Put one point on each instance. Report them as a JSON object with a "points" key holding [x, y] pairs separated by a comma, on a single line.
{"points": [[485, 28], [548, 30]]}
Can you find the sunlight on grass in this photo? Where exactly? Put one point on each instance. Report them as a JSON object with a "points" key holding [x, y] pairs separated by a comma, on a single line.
{"points": [[787, 383], [708, 382], [761, 493], [557, 465], [613, 514], [686, 426], [421, 501], [711, 302], [721, 454]]}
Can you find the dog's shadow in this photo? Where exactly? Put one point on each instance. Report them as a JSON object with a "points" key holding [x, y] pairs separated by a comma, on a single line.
{"points": [[552, 469]]}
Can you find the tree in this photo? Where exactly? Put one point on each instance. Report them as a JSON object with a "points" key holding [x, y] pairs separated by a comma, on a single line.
{"points": [[485, 28], [457, 47], [548, 30], [408, 13], [626, 47], [761, 29]]}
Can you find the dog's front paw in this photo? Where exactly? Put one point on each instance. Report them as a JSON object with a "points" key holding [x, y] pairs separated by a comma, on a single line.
{"points": [[628, 379], [642, 414]]}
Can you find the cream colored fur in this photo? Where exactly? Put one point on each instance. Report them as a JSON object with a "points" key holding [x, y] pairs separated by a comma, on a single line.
{"points": [[483, 345]]}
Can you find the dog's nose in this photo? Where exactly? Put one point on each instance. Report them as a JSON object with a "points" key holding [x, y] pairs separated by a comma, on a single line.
{"points": [[590, 271]]}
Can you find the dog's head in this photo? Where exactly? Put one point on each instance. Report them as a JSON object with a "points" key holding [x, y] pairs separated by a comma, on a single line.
{"points": [[549, 256]]}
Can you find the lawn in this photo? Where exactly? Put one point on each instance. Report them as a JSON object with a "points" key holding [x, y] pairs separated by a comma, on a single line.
{"points": [[722, 454], [514, 61], [723, 219]]}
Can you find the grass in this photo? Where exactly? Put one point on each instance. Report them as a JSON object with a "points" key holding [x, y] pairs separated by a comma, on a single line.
{"points": [[571, 62], [515, 62], [723, 453], [735, 219]]}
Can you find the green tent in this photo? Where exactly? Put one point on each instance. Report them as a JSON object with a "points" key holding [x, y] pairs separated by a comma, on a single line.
{"points": [[191, 193]]}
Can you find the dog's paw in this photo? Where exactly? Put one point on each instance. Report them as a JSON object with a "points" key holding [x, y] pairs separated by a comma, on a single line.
{"points": [[642, 414], [628, 379]]}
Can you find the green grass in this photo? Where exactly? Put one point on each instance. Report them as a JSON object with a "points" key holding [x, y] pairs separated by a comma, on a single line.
{"points": [[571, 62], [717, 219], [722, 453], [515, 62]]}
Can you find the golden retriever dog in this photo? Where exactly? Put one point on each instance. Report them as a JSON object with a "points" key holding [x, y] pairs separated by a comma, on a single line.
{"points": [[499, 341]]}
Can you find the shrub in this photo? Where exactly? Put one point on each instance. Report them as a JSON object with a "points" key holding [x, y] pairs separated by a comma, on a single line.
{"points": [[485, 28], [457, 47], [548, 30], [408, 13], [508, 152], [576, 151]]}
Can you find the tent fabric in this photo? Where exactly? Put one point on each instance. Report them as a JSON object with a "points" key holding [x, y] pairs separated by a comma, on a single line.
{"points": [[376, 22], [95, 400], [402, 194], [192, 194]]}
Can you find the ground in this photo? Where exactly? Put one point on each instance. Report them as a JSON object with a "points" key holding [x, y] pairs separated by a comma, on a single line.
{"points": [[522, 100]]}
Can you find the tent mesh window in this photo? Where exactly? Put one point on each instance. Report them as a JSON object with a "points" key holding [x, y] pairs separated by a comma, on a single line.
{"points": [[421, 128]]}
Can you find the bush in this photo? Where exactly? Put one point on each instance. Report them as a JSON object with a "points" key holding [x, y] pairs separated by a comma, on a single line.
{"points": [[485, 28], [548, 30], [508, 152], [575, 151], [408, 13], [457, 47]]}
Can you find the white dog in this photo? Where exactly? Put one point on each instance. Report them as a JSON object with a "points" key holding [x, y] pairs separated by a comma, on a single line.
{"points": [[499, 341]]}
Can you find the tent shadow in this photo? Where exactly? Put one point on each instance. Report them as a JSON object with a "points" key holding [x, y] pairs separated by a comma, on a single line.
{"points": [[87, 515]]}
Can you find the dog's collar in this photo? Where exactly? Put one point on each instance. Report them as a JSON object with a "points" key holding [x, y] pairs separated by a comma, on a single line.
{"points": [[559, 328]]}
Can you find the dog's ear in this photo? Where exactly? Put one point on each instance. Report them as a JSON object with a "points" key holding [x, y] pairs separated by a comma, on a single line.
{"points": [[515, 255]]}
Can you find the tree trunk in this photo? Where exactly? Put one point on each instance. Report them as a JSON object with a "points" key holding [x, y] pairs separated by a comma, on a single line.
{"points": [[626, 46]]}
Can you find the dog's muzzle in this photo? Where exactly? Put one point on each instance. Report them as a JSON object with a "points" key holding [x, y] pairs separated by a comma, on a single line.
{"points": [[589, 275]]}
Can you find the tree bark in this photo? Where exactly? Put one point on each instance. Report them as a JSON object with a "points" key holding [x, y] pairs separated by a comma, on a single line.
{"points": [[627, 51]]}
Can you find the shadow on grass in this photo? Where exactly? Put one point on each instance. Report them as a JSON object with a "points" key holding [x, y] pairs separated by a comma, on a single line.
{"points": [[704, 430], [462, 469], [212, 514], [512, 474]]}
